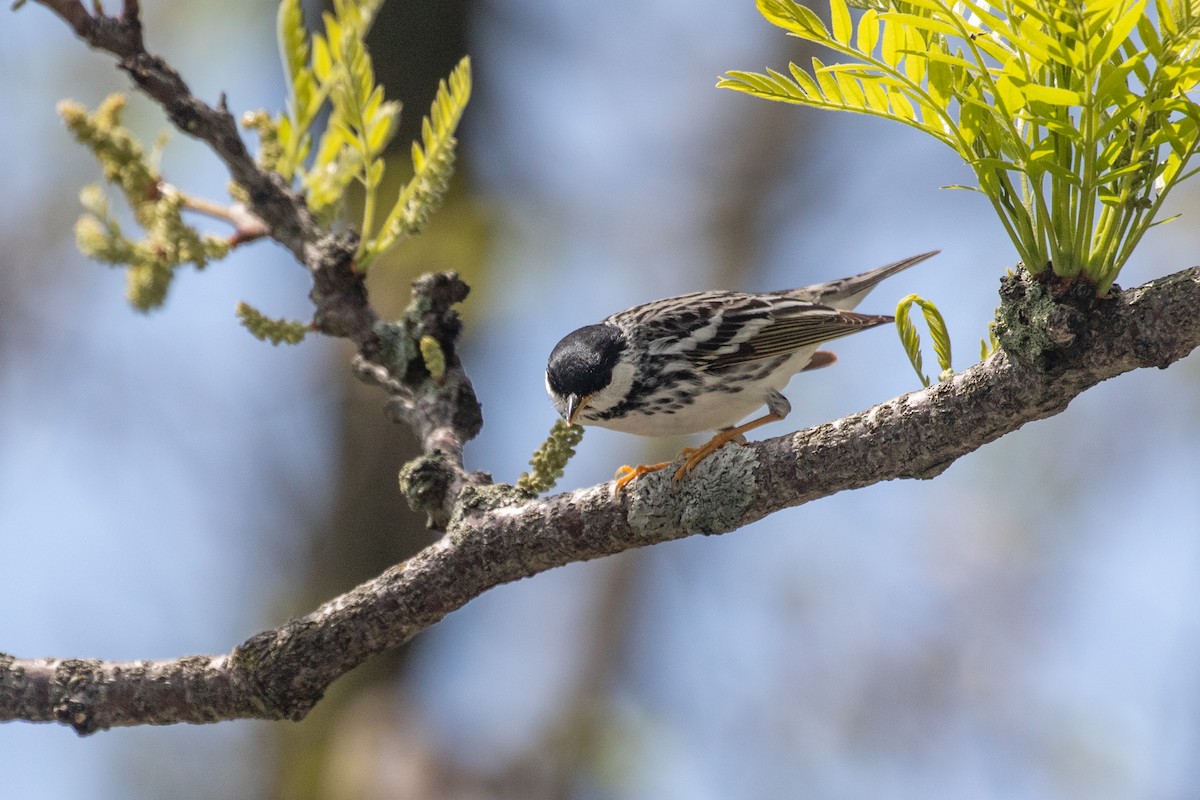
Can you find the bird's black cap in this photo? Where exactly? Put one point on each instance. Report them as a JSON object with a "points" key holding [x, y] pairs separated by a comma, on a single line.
{"points": [[582, 363]]}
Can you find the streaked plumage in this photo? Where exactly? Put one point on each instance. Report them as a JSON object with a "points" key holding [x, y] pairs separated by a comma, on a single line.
{"points": [[706, 360]]}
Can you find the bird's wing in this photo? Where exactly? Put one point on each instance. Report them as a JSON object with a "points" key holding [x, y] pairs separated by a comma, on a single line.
{"points": [[792, 326], [717, 329]]}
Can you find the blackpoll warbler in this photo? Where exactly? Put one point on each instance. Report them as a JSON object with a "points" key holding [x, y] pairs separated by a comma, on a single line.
{"points": [[704, 361]]}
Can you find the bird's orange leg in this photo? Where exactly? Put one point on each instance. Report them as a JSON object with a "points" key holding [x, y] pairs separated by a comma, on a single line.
{"points": [[695, 456], [627, 474], [778, 407]]}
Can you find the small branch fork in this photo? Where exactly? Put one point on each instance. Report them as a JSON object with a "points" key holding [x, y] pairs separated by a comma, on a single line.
{"points": [[270, 198], [496, 534], [273, 209], [247, 227]]}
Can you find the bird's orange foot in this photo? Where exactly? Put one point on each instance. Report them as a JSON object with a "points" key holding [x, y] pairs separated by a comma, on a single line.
{"points": [[695, 455], [627, 474]]}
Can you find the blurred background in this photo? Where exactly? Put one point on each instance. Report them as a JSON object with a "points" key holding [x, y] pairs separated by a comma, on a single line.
{"points": [[1024, 626]]}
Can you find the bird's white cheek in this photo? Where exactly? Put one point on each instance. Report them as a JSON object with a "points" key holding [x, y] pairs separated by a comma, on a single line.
{"points": [[616, 391]]}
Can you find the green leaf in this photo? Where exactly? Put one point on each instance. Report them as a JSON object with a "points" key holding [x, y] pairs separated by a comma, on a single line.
{"points": [[1171, 218], [868, 32], [901, 106], [988, 163], [940, 335], [804, 81], [932, 6], [912, 340], [874, 96], [850, 90], [761, 86], [322, 59], [1058, 170], [989, 345], [915, 63], [840, 16], [1113, 85], [893, 42], [1119, 120], [1010, 94], [1121, 172], [828, 84], [1042, 14], [793, 17], [433, 164], [921, 23], [941, 83], [293, 39], [1087, 101], [1033, 38], [909, 338], [1166, 16], [1117, 32], [952, 60], [1051, 95]]}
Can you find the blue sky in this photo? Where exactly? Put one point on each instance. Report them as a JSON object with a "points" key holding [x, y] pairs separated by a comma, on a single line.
{"points": [[1022, 626]]}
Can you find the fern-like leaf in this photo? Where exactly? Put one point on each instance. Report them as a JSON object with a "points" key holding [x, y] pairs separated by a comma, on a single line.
{"points": [[433, 164], [1077, 118]]}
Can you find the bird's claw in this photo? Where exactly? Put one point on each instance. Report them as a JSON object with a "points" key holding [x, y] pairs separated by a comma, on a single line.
{"points": [[692, 457], [627, 474]]}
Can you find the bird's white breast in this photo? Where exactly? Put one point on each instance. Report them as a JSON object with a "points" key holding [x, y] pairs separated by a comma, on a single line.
{"points": [[710, 410]]}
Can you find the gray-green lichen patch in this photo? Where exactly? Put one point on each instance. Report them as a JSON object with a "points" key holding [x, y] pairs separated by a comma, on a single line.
{"points": [[397, 347], [488, 497], [425, 480], [1040, 323], [712, 499]]}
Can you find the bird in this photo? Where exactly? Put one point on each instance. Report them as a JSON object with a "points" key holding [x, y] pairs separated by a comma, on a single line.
{"points": [[704, 361]]}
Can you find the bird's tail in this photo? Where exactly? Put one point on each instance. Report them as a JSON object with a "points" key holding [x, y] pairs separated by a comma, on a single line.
{"points": [[846, 293]]}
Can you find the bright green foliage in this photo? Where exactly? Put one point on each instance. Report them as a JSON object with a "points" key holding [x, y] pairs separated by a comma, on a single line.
{"points": [[121, 156], [268, 329], [330, 75], [990, 344], [433, 164], [270, 149], [333, 68], [551, 458], [1074, 116], [169, 242], [912, 340]]}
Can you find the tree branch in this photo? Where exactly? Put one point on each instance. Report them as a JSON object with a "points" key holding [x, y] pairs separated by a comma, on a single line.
{"points": [[1059, 344], [445, 413]]}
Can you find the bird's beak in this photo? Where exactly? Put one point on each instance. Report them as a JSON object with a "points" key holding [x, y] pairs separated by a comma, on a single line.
{"points": [[575, 404]]}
